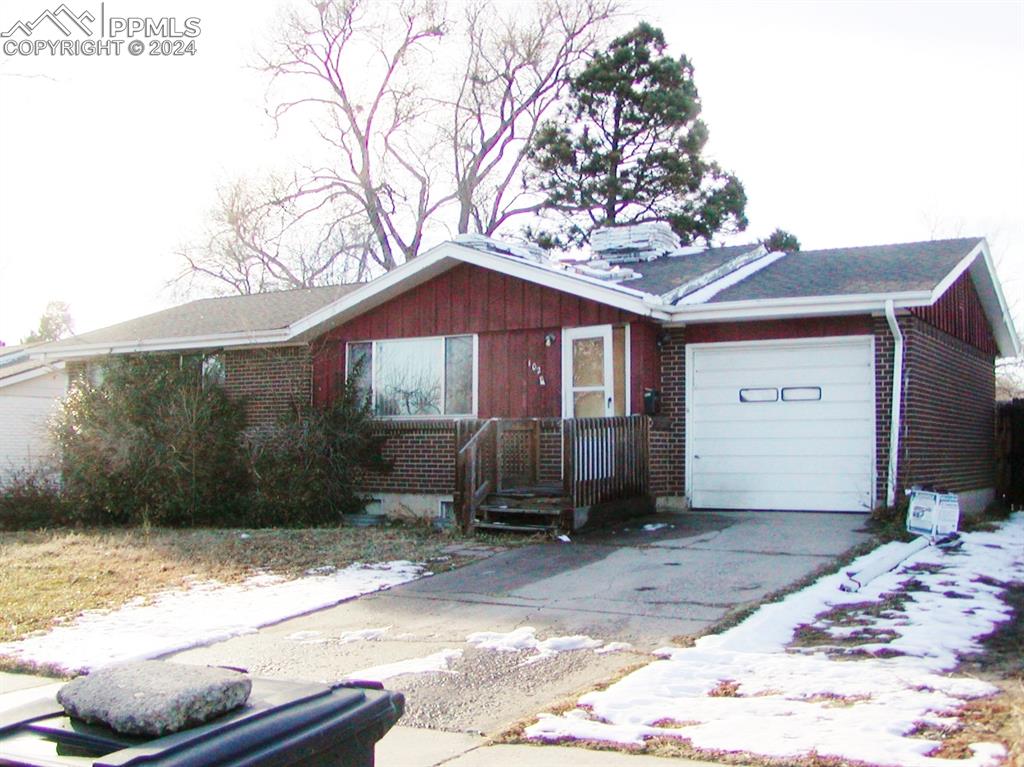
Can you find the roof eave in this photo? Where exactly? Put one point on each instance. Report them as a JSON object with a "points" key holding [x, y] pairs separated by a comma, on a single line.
{"points": [[787, 308], [28, 375], [184, 343]]}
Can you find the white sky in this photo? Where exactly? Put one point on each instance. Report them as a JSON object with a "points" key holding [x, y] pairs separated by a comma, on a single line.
{"points": [[849, 124]]}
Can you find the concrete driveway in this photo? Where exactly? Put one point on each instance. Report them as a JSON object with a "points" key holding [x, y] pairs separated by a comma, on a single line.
{"points": [[647, 582]]}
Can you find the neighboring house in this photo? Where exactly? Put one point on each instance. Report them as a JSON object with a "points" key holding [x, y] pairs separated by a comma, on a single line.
{"points": [[29, 391], [818, 380]]}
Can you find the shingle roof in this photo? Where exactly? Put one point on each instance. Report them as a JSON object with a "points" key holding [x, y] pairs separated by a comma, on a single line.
{"points": [[209, 316], [904, 267], [668, 272]]}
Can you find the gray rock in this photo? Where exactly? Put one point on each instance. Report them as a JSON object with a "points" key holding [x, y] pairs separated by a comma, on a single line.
{"points": [[154, 697]]}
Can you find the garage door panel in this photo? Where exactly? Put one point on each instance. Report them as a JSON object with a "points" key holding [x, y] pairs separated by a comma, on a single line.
{"points": [[800, 454], [781, 430], [730, 395], [802, 482], [783, 412], [741, 466], [780, 376], [777, 355], [781, 501]]}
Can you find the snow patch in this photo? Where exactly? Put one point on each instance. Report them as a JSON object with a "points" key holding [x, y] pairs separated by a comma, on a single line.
{"points": [[524, 638], [790, 701], [614, 647], [204, 613], [438, 661]]}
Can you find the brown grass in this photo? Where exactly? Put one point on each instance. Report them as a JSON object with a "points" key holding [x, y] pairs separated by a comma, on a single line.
{"points": [[999, 717], [49, 576]]}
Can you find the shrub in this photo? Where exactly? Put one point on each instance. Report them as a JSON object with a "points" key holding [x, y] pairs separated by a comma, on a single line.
{"points": [[153, 444], [31, 499], [306, 468]]}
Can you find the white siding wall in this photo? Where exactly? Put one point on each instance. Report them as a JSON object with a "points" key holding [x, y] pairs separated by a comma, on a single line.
{"points": [[25, 410]]}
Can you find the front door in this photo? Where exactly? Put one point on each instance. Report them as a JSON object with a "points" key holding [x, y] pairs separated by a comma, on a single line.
{"points": [[588, 381]]}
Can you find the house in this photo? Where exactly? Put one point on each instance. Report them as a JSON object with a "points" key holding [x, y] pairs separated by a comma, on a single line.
{"points": [[724, 378], [29, 390]]}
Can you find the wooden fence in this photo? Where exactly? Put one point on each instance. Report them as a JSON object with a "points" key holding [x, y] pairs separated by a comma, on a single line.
{"points": [[1010, 452]]}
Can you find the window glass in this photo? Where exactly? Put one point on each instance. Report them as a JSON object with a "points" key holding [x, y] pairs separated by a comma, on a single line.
{"points": [[759, 395], [458, 375], [415, 376], [214, 373], [801, 394], [407, 377], [360, 367], [588, 362]]}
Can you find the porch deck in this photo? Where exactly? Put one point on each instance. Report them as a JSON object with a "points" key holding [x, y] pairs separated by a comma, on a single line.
{"points": [[502, 483]]}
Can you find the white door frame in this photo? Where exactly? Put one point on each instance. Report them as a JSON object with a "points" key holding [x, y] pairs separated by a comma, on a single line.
{"points": [[690, 372], [591, 331]]}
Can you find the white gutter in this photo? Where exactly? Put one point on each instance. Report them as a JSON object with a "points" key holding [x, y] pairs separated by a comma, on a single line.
{"points": [[897, 398]]}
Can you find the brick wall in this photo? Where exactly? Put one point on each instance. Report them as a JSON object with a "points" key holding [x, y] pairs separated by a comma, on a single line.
{"points": [[883, 400], [422, 454], [946, 412], [668, 430], [949, 413], [272, 381]]}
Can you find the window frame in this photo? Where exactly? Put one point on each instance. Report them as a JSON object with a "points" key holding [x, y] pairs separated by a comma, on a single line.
{"points": [[444, 378]]}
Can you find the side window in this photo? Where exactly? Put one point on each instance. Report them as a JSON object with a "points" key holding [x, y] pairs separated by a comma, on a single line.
{"points": [[360, 367], [214, 372]]}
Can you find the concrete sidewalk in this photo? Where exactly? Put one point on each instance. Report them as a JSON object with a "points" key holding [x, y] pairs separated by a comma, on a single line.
{"points": [[413, 747]]}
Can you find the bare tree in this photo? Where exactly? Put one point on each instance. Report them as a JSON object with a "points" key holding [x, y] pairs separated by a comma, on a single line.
{"points": [[363, 66], [514, 72], [267, 237], [392, 89], [424, 118]]}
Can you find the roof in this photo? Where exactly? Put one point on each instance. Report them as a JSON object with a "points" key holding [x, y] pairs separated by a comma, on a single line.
{"points": [[663, 274], [249, 314], [899, 268], [684, 286]]}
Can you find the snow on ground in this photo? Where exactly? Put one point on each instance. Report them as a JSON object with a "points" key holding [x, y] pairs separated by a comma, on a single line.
{"points": [[786, 702], [346, 637], [204, 613], [524, 638], [438, 661]]}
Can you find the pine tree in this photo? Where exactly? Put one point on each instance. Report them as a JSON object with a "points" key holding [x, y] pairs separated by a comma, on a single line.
{"points": [[781, 241], [629, 147]]}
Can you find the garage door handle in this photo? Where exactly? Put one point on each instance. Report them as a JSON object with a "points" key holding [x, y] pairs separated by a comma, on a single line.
{"points": [[696, 456]]}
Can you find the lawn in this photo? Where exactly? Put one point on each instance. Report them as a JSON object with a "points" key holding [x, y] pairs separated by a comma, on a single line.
{"points": [[50, 576]]}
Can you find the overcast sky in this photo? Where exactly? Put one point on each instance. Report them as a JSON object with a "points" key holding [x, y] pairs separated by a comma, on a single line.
{"points": [[848, 123]]}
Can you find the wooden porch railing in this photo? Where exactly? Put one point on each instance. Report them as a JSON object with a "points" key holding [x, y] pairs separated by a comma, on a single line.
{"points": [[476, 468], [605, 459]]}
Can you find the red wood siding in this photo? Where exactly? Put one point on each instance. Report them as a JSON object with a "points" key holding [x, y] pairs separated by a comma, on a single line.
{"points": [[810, 327], [959, 313], [511, 318]]}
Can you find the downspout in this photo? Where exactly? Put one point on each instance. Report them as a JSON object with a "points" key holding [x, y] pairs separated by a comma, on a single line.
{"points": [[897, 397]]}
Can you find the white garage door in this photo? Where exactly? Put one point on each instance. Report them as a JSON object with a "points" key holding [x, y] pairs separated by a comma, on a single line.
{"points": [[786, 425]]}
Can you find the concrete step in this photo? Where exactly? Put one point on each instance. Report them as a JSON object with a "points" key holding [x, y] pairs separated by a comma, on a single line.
{"points": [[488, 508], [515, 528]]}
